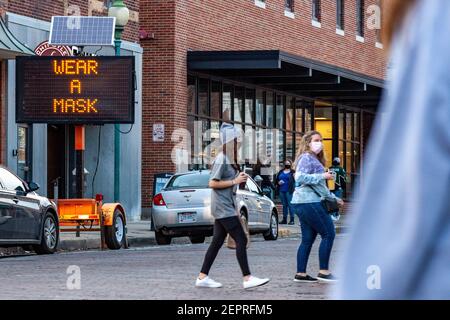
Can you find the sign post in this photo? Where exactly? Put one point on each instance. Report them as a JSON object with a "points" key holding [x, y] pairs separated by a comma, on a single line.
{"points": [[79, 150]]}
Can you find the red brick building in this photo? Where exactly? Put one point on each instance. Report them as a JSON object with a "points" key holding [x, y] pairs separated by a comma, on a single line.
{"points": [[291, 65]]}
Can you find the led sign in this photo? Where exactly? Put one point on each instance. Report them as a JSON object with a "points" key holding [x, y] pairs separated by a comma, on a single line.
{"points": [[75, 90]]}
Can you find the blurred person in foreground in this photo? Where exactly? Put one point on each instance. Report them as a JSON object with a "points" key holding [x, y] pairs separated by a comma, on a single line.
{"points": [[399, 246]]}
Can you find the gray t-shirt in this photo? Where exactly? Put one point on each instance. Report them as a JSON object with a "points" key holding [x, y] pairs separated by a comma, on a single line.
{"points": [[223, 201]]}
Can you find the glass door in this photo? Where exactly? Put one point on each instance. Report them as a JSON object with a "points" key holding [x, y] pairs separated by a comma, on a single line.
{"points": [[24, 152]]}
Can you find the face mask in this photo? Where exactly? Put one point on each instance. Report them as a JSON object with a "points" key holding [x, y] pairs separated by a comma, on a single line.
{"points": [[316, 147]]}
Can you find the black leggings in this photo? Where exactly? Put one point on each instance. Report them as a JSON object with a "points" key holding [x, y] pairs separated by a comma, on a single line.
{"points": [[222, 227]]}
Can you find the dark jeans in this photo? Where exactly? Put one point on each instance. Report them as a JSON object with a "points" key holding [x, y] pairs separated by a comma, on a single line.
{"points": [[222, 227], [286, 198], [314, 220]]}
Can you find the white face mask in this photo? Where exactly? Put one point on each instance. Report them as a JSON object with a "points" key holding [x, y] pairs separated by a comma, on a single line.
{"points": [[316, 147]]}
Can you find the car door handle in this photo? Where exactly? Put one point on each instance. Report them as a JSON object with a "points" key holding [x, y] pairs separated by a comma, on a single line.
{"points": [[15, 199], [245, 198]]}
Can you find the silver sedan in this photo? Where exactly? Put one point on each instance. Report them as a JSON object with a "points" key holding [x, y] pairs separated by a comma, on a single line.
{"points": [[183, 208]]}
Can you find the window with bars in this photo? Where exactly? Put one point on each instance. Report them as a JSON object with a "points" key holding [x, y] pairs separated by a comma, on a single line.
{"points": [[340, 14], [360, 7], [316, 10], [289, 5]]}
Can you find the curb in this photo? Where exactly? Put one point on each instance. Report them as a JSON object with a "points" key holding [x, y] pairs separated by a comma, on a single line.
{"points": [[135, 242], [90, 244]]}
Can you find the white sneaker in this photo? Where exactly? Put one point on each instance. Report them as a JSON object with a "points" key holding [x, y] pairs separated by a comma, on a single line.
{"points": [[207, 283], [255, 282]]}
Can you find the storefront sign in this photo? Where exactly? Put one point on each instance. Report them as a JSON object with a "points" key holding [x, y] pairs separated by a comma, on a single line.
{"points": [[78, 90]]}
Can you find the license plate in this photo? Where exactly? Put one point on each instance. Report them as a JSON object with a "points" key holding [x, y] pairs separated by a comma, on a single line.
{"points": [[187, 217]]}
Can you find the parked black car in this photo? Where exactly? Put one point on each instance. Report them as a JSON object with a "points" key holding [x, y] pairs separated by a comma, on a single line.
{"points": [[25, 217]]}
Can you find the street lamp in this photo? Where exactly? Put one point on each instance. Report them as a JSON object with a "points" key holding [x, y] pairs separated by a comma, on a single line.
{"points": [[120, 11]]}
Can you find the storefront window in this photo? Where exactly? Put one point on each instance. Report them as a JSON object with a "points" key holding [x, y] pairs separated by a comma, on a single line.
{"points": [[324, 124], [249, 108], [269, 144], [356, 125], [191, 95], [279, 120], [269, 109], [289, 114], [349, 158], [206, 140], [260, 143], [259, 107], [250, 145], [193, 151], [342, 153], [203, 88], [22, 167], [249, 98], [215, 99], [238, 104], [348, 126], [215, 139], [341, 124], [289, 146], [308, 119], [299, 116], [298, 140], [227, 102], [280, 145], [356, 157], [241, 150]]}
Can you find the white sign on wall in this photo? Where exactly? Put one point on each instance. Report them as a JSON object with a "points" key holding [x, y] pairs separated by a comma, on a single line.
{"points": [[158, 132]]}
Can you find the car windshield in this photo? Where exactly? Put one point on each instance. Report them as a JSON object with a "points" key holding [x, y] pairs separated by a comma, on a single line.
{"points": [[189, 181]]}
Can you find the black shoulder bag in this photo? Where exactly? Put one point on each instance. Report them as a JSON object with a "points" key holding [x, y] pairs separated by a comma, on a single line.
{"points": [[329, 203]]}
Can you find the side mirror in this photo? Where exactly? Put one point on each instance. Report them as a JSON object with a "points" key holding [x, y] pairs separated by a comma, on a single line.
{"points": [[33, 186]]}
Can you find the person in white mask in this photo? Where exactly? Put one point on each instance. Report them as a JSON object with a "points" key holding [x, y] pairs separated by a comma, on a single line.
{"points": [[311, 186]]}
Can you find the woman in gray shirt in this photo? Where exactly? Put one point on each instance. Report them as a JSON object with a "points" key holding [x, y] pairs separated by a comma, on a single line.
{"points": [[225, 177]]}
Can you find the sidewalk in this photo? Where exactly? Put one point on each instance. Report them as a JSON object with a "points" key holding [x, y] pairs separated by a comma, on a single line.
{"points": [[139, 235]]}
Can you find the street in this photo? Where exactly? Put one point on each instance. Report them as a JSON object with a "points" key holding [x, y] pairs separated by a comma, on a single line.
{"points": [[161, 272]]}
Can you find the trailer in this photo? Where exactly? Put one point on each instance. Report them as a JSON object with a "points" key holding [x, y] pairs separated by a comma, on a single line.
{"points": [[92, 215]]}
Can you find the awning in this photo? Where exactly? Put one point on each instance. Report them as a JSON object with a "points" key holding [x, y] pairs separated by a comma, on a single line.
{"points": [[10, 47], [286, 72]]}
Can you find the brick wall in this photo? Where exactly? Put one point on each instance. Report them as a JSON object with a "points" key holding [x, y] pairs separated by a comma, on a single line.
{"points": [[182, 25], [158, 87]]}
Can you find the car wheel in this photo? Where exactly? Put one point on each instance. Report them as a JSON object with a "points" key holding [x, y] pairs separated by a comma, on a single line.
{"points": [[272, 233], [162, 239], [49, 236], [115, 234], [197, 239]]}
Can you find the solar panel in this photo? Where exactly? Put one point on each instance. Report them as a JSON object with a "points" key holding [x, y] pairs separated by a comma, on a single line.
{"points": [[82, 31]]}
